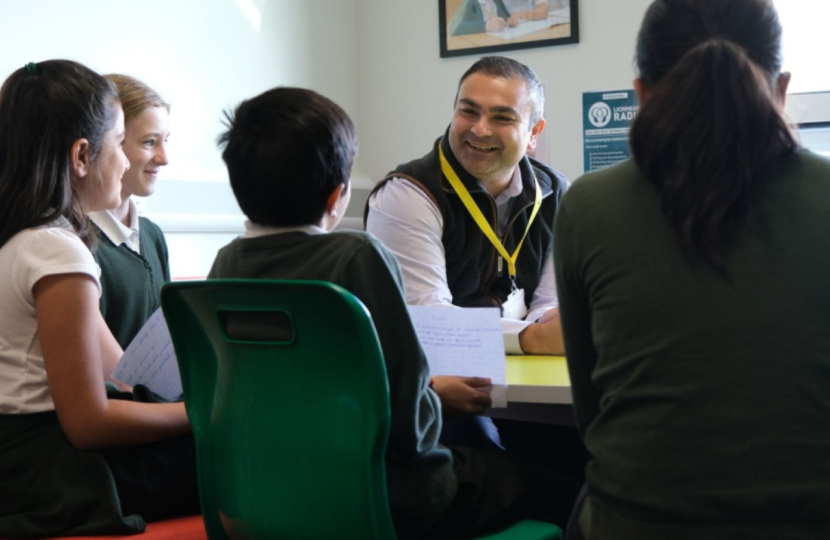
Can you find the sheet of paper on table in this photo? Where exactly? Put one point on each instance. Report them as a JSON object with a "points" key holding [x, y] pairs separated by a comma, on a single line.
{"points": [[559, 16], [150, 360], [466, 342]]}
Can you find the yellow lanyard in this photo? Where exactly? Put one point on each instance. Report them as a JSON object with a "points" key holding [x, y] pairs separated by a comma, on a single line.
{"points": [[479, 218]]}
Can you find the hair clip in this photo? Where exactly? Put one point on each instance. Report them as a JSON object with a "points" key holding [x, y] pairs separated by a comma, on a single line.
{"points": [[31, 68]]}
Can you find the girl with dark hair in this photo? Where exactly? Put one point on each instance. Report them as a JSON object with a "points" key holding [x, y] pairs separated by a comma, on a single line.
{"points": [[693, 304], [72, 461]]}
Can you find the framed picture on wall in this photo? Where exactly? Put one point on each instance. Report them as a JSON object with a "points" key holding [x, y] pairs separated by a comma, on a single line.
{"points": [[487, 26]]}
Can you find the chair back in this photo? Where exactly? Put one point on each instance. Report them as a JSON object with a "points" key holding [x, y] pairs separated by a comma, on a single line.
{"points": [[285, 387]]}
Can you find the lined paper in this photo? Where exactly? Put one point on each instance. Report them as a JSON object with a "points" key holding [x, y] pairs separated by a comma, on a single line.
{"points": [[466, 342], [150, 360]]}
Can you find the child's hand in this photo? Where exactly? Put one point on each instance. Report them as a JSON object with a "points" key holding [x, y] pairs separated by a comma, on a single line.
{"points": [[462, 396], [495, 24], [513, 20]]}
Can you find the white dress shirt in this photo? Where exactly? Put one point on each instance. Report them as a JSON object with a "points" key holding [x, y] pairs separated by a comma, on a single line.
{"points": [[406, 220], [116, 231]]}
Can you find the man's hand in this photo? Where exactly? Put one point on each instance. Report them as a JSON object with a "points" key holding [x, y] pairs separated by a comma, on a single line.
{"points": [[495, 24], [544, 336], [461, 396]]}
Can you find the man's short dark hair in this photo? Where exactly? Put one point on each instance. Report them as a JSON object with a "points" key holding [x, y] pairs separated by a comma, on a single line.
{"points": [[507, 68], [286, 150]]}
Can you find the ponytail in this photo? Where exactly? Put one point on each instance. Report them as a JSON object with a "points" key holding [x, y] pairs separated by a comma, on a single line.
{"points": [[707, 130]]}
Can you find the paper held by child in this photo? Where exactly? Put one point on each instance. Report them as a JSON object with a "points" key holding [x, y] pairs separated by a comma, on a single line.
{"points": [[466, 342], [150, 360]]}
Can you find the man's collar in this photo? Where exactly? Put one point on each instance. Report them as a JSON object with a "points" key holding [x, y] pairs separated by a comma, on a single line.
{"points": [[524, 174], [513, 189]]}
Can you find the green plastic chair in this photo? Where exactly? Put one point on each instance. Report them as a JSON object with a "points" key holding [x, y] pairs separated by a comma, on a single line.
{"points": [[286, 391]]}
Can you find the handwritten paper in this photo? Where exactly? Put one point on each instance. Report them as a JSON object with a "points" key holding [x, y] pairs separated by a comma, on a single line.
{"points": [[466, 342], [560, 16], [150, 360]]}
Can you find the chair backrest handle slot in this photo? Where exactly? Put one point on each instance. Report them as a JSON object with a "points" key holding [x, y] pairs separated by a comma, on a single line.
{"points": [[257, 326]]}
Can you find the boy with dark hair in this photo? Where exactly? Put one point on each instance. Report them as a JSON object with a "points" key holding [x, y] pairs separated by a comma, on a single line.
{"points": [[289, 154]]}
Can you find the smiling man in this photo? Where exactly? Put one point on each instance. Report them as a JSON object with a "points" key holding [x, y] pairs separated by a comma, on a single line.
{"points": [[449, 257], [445, 252], [496, 250]]}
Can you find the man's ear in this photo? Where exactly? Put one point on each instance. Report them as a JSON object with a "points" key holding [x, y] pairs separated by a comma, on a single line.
{"points": [[334, 198], [79, 157], [535, 131]]}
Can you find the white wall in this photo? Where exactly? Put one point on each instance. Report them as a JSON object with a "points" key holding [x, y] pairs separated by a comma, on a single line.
{"points": [[406, 91], [203, 56], [376, 58], [806, 42]]}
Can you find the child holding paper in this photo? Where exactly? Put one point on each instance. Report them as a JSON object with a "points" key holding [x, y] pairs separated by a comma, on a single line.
{"points": [[72, 461], [289, 154]]}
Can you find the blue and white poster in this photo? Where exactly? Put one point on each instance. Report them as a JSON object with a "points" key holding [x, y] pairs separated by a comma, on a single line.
{"points": [[606, 119]]}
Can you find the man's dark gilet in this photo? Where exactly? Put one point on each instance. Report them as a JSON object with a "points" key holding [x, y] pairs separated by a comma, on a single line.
{"points": [[471, 259]]}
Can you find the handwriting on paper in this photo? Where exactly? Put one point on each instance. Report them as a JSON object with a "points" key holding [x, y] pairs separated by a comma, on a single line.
{"points": [[150, 360], [466, 342]]}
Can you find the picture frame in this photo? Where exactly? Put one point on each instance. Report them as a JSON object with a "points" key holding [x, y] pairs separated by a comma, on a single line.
{"points": [[463, 25]]}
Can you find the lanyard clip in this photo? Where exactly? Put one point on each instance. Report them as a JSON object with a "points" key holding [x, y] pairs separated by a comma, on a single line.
{"points": [[513, 287]]}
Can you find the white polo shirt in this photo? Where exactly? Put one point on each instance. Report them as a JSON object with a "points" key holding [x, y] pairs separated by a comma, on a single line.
{"points": [[29, 256]]}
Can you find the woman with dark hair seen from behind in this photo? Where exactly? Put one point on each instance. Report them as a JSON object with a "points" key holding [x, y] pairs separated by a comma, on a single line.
{"points": [[694, 298], [72, 461]]}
